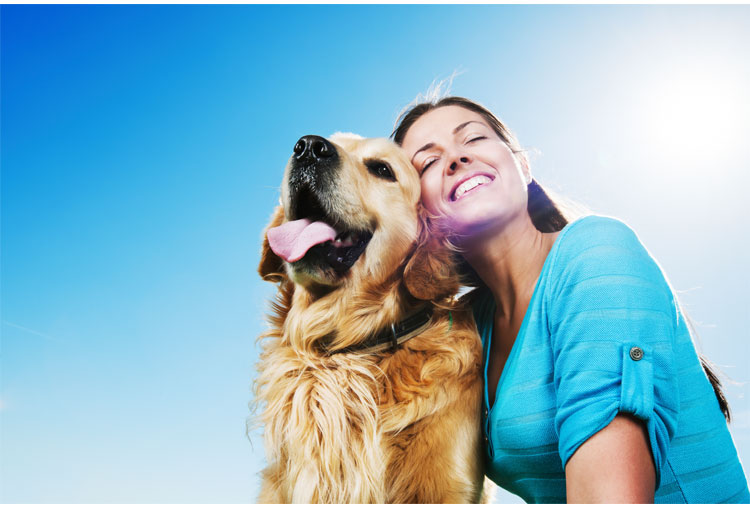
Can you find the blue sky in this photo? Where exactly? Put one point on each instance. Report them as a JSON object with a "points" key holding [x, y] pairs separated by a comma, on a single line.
{"points": [[141, 153]]}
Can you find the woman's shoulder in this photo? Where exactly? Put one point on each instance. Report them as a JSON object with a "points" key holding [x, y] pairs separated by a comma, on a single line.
{"points": [[596, 238], [595, 246], [597, 230]]}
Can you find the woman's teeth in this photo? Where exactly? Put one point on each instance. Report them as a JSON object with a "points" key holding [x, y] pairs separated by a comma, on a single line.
{"points": [[470, 184]]}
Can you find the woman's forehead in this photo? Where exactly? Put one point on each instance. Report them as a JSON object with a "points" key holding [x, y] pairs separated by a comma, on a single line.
{"points": [[439, 122]]}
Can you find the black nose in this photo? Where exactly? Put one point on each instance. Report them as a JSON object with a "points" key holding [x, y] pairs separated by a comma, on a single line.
{"points": [[314, 148]]}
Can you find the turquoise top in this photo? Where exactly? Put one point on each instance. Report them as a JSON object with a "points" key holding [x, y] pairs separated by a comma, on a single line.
{"points": [[604, 334]]}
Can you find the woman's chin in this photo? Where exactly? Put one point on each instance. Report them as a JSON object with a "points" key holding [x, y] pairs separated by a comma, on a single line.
{"points": [[476, 223]]}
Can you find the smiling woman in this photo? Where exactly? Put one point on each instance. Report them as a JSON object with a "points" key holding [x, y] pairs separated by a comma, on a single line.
{"points": [[587, 353]]}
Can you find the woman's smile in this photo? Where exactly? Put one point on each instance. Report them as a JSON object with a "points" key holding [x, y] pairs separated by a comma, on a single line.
{"points": [[469, 183]]}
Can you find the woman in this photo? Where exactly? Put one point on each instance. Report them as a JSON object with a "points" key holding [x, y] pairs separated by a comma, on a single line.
{"points": [[594, 391]]}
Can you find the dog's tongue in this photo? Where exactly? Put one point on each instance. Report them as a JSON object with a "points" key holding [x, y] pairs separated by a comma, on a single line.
{"points": [[292, 240]]}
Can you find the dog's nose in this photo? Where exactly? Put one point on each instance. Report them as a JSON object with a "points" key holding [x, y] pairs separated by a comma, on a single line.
{"points": [[314, 148]]}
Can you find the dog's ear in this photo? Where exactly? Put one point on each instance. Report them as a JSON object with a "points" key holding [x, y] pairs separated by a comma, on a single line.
{"points": [[271, 267], [430, 273]]}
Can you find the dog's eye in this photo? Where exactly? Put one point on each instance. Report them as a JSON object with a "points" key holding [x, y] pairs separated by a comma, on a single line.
{"points": [[380, 169]]}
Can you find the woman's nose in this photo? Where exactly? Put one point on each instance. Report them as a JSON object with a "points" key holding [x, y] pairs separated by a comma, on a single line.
{"points": [[463, 159]]}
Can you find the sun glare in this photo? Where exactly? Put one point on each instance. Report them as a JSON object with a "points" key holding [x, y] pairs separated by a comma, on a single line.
{"points": [[696, 117]]}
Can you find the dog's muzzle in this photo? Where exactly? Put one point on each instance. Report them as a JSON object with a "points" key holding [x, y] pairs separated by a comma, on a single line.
{"points": [[314, 233]]}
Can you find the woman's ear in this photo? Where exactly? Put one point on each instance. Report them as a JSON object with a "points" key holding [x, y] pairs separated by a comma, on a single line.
{"points": [[430, 273], [271, 267], [525, 168]]}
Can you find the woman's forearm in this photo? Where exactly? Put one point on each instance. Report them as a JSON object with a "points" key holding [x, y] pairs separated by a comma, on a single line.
{"points": [[613, 466]]}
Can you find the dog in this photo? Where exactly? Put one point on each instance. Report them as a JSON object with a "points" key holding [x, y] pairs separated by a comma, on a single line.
{"points": [[369, 374]]}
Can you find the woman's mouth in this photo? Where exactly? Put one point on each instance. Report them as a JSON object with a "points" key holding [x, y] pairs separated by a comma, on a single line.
{"points": [[468, 185]]}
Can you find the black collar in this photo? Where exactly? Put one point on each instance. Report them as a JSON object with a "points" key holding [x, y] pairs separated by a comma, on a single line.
{"points": [[395, 335]]}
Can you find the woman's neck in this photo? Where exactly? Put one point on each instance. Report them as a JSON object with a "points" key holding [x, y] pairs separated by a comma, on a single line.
{"points": [[509, 262]]}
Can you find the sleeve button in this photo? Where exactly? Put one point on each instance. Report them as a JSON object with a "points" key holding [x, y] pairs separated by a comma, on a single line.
{"points": [[636, 353]]}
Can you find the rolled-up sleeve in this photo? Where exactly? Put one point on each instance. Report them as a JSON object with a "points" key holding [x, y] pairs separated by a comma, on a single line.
{"points": [[611, 317]]}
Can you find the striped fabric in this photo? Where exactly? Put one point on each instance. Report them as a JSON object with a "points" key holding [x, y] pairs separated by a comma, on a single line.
{"points": [[572, 369]]}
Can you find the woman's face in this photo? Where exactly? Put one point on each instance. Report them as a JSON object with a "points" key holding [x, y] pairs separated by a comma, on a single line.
{"points": [[470, 178]]}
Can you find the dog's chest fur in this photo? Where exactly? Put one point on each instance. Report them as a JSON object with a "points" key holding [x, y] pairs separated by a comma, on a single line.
{"points": [[399, 427]]}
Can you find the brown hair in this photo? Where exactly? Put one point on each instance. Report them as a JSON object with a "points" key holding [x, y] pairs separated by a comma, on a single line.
{"points": [[547, 214]]}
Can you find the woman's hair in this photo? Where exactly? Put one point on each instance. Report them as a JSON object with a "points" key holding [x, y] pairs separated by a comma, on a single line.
{"points": [[548, 214]]}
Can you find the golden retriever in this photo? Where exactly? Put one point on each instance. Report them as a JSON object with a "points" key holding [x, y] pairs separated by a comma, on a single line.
{"points": [[348, 417]]}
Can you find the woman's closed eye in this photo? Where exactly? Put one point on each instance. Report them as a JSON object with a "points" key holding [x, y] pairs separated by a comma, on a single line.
{"points": [[428, 163], [477, 138]]}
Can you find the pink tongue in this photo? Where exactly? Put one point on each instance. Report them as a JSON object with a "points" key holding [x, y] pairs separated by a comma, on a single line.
{"points": [[292, 240]]}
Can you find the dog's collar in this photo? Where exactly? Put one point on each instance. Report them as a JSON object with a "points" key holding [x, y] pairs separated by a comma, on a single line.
{"points": [[395, 335]]}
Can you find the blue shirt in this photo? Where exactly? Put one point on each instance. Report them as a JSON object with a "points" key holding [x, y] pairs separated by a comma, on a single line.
{"points": [[604, 334]]}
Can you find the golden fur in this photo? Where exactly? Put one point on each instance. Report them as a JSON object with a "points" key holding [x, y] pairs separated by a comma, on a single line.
{"points": [[392, 427]]}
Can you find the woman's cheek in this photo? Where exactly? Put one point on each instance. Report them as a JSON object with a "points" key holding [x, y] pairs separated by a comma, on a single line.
{"points": [[430, 193]]}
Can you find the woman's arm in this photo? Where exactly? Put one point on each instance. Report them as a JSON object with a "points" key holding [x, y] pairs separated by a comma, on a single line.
{"points": [[613, 466]]}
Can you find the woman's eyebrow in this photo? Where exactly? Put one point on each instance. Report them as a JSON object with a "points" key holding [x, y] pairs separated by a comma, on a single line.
{"points": [[458, 129], [425, 147]]}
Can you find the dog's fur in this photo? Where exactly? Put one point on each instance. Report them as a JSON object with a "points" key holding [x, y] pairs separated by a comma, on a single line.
{"points": [[351, 427]]}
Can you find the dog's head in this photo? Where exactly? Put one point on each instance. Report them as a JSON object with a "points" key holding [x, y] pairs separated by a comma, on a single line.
{"points": [[349, 213]]}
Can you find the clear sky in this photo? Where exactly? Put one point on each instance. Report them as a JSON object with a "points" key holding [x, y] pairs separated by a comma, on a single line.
{"points": [[142, 149]]}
